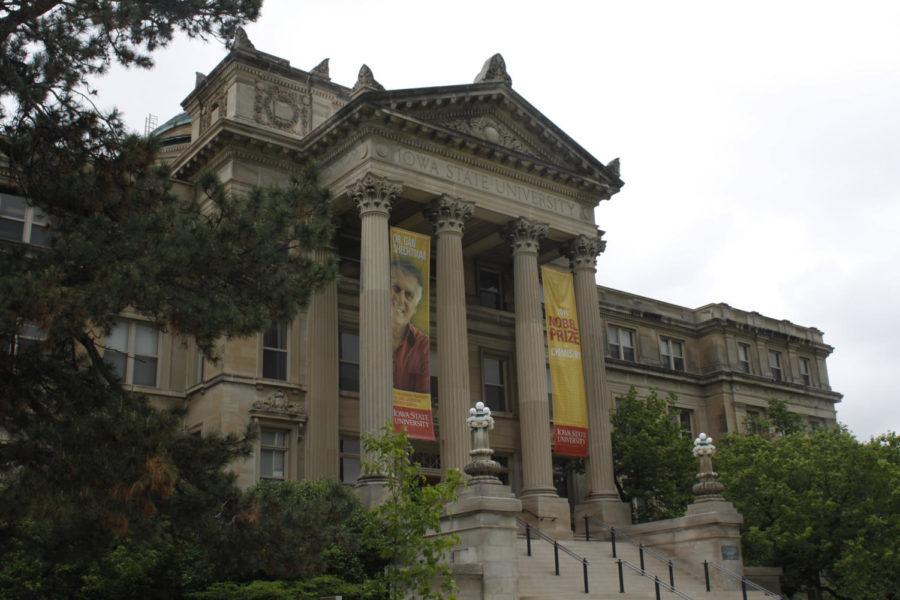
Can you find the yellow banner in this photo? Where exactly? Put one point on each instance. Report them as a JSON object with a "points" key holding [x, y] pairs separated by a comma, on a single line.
{"points": [[570, 420], [410, 264]]}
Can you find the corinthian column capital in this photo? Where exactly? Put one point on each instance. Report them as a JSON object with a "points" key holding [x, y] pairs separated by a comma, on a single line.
{"points": [[449, 214], [374, 194], [524, 235], [582, 251]]}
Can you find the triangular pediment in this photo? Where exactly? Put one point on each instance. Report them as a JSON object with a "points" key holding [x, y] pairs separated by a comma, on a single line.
{"points": [[496, 116]]}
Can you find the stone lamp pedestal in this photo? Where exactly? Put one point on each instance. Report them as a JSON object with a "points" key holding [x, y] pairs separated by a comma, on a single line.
{"points": [[484, 563]]}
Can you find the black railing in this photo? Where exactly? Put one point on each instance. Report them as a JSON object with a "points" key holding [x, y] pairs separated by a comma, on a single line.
{"points": [[642, 550], [745, 583], [534, 531], [657, 584]]}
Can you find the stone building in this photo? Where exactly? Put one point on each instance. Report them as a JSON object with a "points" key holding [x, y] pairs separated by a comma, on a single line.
{"points": [[502, 190]]}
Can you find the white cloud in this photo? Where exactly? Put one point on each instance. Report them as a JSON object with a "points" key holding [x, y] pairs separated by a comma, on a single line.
{"points": [[759, 141]]}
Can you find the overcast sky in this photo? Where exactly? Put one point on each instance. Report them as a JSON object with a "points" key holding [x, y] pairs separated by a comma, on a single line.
{"points": [[760, 141]]}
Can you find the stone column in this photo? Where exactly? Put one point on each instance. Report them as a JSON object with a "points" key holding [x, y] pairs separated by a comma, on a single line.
{"points": [[449, 216], [321, 451], [602, 501], [538, 494], [374, 196]]}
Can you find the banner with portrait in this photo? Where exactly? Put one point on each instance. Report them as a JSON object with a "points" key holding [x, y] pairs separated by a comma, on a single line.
{"points": [[570, 418], [410, 310]]}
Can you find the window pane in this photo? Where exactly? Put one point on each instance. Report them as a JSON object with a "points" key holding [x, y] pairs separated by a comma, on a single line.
{"points": [[626, 338], [350, 347], [145, 370], [11, 230], [118, 337], [40, 235], [664, 347], [613, 350], [612, 333], [146, 340], [677, 349], [628, 354], [494, 398], [349, 377], [268, 437], [493, 371], [265, 463], [489, 288], [116, 360], [275, 364], [350, 445], [349, 469], [679, 364], [12, 207], [276, 336]]}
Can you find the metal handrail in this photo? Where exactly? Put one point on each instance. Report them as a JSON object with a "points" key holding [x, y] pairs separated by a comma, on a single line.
{"points": [[556, 546], [666, 560], [550, 539], [657, 582], [744, 581]]}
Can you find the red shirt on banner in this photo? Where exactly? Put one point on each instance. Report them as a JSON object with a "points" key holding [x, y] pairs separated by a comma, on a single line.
{"points": [[411, 371]]}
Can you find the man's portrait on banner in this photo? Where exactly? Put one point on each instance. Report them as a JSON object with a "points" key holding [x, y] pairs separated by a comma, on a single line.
{"points": [[411, 346]]}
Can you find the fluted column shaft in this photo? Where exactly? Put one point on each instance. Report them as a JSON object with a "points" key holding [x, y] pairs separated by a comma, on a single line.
{"points": [[582, 254], [531, 359], [449, 216], [322, 438], [374, 197]]}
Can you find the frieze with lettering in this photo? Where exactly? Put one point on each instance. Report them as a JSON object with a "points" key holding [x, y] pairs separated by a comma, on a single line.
{"points": [[484, 182]]}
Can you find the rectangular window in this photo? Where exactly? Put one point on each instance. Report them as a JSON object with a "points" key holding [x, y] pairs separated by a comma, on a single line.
{"points": [[275, 351], [349, 367], [29, 337], [273, 453], [686, 421], [132, 351], [493, 374], [20, 222], [671, 353], [350, 465], [804, 371], [775, 365], [744, 357], [12, 217], [490, 288], [621, 342]]}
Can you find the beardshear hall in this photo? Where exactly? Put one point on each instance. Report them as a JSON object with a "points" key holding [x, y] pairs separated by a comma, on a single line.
{"points": [[470, 271]]}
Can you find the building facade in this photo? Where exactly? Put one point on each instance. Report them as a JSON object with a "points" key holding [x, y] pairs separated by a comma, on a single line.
{"points": [[502, 191]]}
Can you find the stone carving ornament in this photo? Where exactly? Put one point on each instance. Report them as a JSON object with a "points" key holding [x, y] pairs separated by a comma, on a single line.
{"points": [[281, 108], [524, 235], [449, 214], [372, 193], [709, 488], [582, 251], [277, 402], [490, 130]]}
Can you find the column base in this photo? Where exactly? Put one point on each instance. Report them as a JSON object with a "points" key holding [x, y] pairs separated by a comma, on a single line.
{"points": [[550, 513], [611, 512], [371, 490]]}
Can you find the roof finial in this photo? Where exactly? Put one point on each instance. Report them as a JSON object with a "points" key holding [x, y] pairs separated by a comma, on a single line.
{"points": [[321, 70], [241, 41], [613, 166], [365, 82], [494, 69]]}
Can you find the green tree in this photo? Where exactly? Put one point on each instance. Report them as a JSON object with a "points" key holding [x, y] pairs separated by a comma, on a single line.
{"points": [[101, 495], [822, 505], [651, 457], [401, 529], [778, 420]]}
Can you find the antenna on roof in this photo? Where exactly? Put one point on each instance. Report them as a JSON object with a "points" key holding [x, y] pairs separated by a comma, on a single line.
{"points": [[150, 123]]}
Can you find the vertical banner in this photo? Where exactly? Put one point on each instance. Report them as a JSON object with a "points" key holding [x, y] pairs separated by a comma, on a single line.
{"points": [[410, 264], [570, 420]]}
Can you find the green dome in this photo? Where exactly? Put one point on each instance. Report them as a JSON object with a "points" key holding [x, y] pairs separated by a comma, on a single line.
{"points": [[176, 121]]}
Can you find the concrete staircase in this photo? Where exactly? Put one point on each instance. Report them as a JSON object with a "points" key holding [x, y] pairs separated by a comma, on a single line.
{"points": [[537, 580]]}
